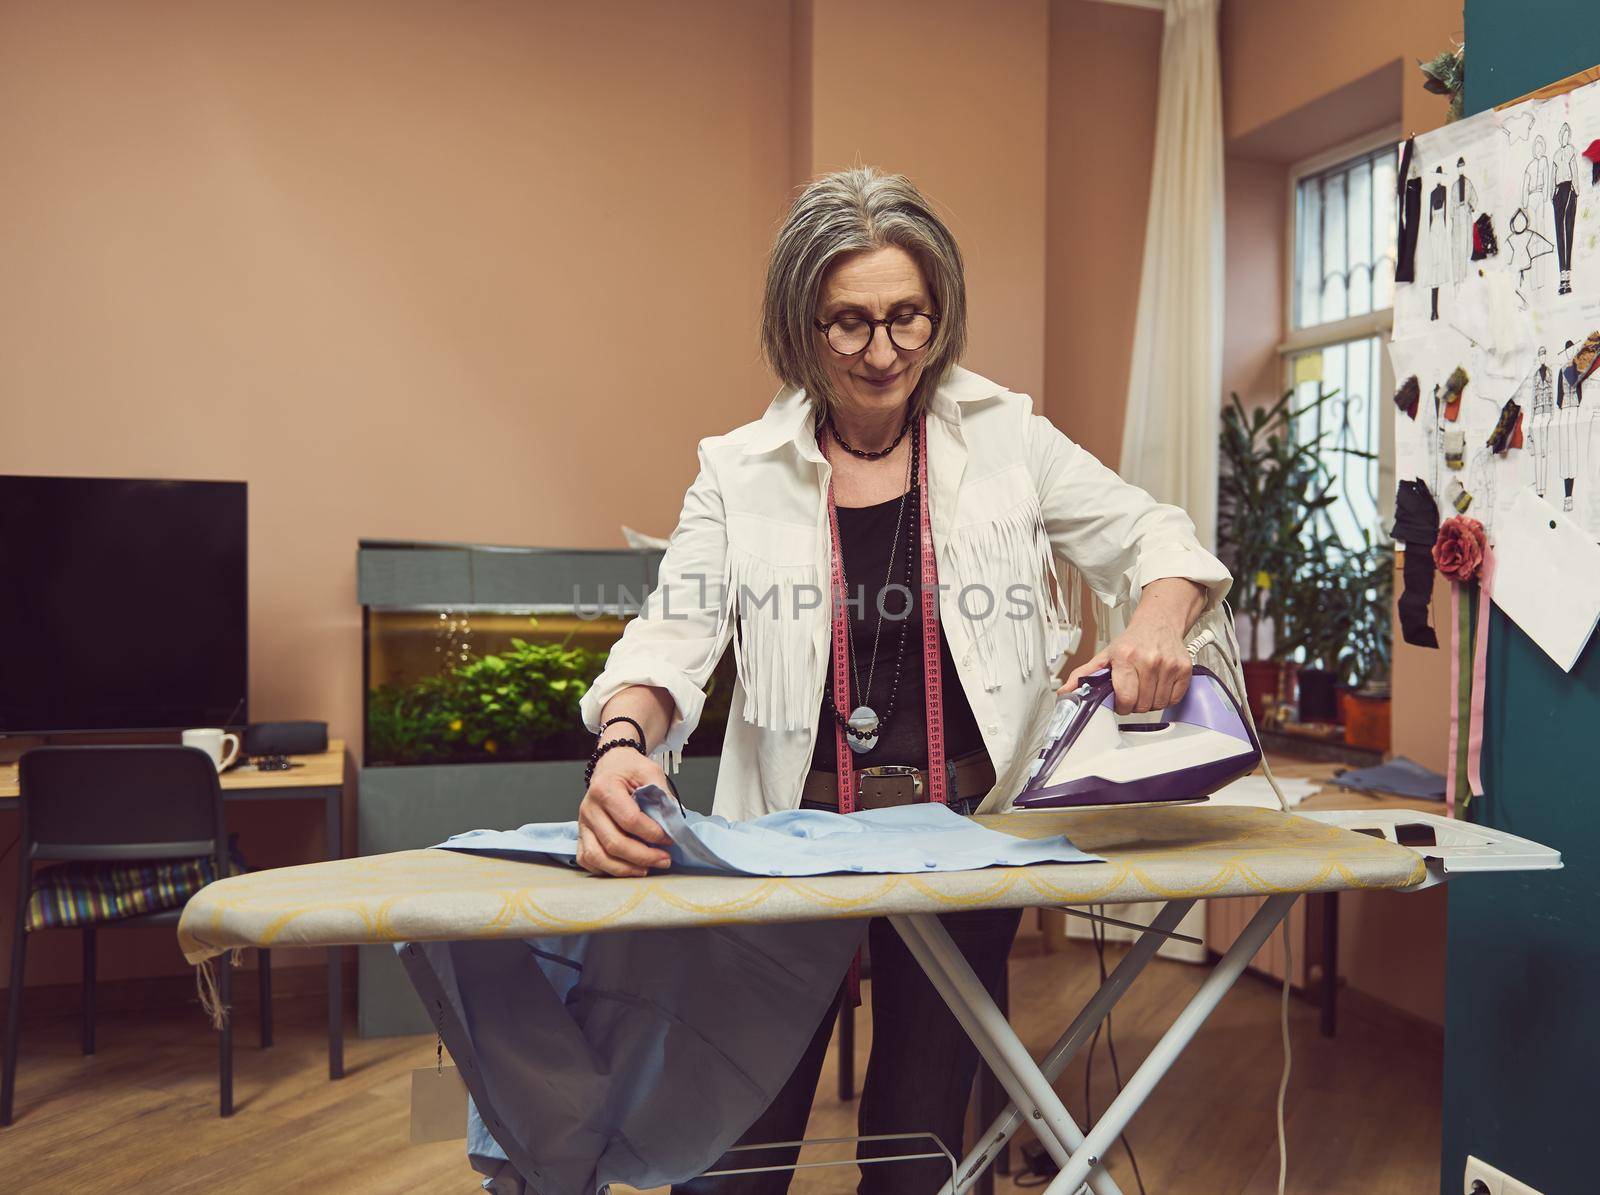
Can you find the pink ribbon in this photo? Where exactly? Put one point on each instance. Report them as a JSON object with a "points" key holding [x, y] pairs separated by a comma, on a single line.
{"points": [[1480, 663], [1455, 699]]}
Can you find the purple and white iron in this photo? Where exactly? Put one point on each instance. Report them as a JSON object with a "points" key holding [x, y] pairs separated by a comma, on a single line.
{"points": [[1093, 757]]}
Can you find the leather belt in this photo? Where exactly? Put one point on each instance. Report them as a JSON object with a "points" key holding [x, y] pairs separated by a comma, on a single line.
{"points": [[884, 785]]}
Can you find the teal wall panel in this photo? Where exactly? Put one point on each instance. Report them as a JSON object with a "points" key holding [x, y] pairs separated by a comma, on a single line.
{"points": [[1518, 46], [1522, 1049]]}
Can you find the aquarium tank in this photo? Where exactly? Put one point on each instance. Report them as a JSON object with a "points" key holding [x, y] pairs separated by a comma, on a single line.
{"points": [[480, 654]]}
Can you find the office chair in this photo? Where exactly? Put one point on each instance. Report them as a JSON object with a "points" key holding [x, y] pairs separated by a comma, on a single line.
{"points": [[111, 806]]}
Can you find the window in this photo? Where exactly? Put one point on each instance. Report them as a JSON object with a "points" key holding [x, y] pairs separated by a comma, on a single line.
{"points": [[1340, 300], [1344, 221]]}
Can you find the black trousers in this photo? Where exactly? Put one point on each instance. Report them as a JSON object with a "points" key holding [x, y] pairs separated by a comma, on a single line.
{"points": [[919, 1073]]}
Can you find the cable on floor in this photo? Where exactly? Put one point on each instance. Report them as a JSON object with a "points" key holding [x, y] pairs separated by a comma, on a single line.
{"points": [[1288, 1055], [1097, 935], [1097, 931]]}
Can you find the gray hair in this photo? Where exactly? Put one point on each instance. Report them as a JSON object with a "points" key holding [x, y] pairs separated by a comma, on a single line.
{"points": [[846, 212]]}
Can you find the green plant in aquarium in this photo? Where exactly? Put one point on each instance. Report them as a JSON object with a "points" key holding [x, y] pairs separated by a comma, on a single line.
{"points": [[520, 703]]}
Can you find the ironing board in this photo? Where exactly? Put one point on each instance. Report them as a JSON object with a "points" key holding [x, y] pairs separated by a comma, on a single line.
{"points": [[1172, 855]]}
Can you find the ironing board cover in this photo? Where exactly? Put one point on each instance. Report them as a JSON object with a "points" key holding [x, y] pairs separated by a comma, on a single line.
{"points": [[437, 895]]}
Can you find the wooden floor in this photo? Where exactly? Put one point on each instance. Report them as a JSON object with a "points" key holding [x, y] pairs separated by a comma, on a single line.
{"points": [[141, 1114]]}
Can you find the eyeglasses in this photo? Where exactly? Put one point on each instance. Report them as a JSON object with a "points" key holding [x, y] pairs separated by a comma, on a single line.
{"points": [[850, 334]]}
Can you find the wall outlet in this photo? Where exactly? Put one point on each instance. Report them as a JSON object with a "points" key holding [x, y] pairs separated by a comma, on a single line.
{"points": [[1483, 1179]]}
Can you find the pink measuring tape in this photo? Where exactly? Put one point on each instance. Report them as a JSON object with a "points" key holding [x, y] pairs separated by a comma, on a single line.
{"points": [[932, 673]]}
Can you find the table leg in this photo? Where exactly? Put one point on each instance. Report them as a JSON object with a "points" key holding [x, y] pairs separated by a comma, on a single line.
{"points": [[942, 961], [1086, 1157], [334, 848], [1077, 1035], [847, 1049], [1330, 963]]}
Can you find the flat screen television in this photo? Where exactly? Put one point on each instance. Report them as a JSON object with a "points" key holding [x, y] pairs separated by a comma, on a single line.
{"points": [[123, 604]]}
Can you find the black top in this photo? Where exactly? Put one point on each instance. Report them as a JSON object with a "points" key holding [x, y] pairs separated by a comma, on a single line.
{"points": [[865, 536]]}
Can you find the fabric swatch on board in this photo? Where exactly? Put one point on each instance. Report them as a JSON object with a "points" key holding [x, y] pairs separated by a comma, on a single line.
{"points": [[1586, 355], [1484, 243], [1408, 396], [1455, 386], [1408, 213], [1505, 427], [1416, 524], [1593, 154]]}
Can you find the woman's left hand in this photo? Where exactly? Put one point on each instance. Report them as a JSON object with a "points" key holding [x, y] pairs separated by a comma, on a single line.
{"points": [[1149, 662]]}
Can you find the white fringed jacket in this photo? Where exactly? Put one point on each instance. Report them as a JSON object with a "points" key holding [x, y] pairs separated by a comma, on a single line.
{"points": [[1010, 495]]}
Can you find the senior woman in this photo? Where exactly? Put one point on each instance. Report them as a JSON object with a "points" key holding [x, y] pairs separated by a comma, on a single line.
{"points": [[889, 511]]}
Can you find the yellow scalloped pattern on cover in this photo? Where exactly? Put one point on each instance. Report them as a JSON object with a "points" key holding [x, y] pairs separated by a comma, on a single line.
{"points": [[436, 895]]}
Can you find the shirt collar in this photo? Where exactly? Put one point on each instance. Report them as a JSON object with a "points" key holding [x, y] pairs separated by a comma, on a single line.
{"points": [[788, 417]]}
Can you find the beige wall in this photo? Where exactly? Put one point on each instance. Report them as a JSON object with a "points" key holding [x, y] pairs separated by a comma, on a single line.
{"points": [[1280, 56], [409, 269], [1105, 62], [973, 140], [1256, 195]]}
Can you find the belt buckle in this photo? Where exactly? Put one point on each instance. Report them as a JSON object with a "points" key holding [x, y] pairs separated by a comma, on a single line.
{"points": [[888, 771]]}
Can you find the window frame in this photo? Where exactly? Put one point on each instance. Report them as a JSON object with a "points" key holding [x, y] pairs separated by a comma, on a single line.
{"points": [[1318, 337]]}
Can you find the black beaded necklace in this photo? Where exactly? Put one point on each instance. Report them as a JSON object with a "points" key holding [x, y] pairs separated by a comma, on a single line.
{"points": [[863, 453], [864, 738]]}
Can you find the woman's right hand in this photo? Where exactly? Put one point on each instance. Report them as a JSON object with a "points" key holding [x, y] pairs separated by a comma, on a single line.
{"points": [[614, 835]]}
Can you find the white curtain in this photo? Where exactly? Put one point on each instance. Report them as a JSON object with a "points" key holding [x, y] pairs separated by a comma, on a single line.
{"points": [[1169, 437]]}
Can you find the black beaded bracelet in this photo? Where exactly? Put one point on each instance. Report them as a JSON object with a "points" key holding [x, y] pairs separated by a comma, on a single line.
{"points": [[600, 749], [629, 721]]}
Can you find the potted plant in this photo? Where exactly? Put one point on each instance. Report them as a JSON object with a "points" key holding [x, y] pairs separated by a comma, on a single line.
{"points": [[1317, 614], [1335, 613], [1271, 484], [1365, 704]]}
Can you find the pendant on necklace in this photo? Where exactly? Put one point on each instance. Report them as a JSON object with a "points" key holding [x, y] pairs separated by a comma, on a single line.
{"points": [[862, 735]]}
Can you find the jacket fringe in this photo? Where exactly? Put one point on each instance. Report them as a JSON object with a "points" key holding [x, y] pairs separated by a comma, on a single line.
{"points": [[1016, 547], [773, 647]]}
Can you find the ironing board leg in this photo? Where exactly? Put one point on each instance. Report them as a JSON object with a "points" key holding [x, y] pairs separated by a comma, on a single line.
{"points": [[1086, 1157], [1005, 1126], [949, 971]]}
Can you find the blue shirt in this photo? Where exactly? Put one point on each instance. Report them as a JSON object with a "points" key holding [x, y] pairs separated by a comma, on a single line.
{"points": [[800, 842]]}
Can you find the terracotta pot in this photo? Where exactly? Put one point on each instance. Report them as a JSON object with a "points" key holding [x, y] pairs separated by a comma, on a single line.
{"points": [[1366, 721], [1260, 683]]}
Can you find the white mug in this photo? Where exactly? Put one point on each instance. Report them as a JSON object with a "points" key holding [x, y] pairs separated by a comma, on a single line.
{"points": [[210, 741]]}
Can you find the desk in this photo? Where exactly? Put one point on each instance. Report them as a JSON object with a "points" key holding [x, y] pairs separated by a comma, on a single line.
{"points": [[1326, 904], [321, 779]]}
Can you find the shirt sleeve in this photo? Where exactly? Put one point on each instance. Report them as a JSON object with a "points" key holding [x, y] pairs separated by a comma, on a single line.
{"points": [[1113, 532], [681, 631]]}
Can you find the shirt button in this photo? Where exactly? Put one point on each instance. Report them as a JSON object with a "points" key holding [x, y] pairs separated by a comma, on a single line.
{"points": [[993, 728]]}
